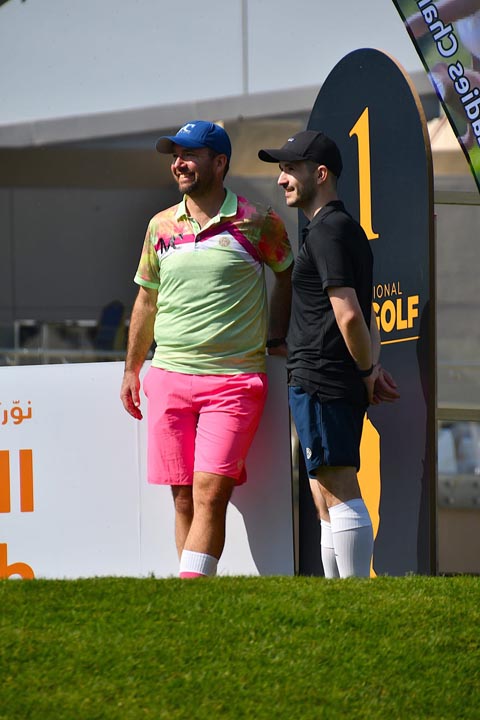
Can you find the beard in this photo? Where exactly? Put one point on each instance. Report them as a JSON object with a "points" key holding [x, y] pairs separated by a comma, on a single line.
{"points": [[196, 186], [188, 185], [303, 194]]}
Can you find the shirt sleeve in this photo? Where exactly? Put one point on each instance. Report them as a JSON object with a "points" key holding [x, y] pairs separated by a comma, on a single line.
{"points": [[274, 246], [148, 271]]}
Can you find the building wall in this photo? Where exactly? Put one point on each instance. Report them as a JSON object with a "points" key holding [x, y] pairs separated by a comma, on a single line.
{"points": [[79, 58], [71, 240]]}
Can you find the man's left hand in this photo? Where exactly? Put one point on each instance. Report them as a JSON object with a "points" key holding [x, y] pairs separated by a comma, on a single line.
{"points": [[385, 387]]}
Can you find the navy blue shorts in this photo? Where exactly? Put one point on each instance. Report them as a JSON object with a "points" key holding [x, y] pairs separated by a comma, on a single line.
{"points": [[329, 432]]}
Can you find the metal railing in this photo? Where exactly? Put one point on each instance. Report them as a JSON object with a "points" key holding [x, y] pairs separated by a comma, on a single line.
{"points": [[44, 356]]}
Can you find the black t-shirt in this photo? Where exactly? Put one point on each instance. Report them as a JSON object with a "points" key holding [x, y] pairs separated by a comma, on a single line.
{"points": [[335, 253]]}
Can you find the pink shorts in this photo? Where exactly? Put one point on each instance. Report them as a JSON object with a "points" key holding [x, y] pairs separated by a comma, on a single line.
{"points": [[201, 423]]}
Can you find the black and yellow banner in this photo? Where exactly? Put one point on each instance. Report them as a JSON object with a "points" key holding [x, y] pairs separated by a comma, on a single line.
{"points": [[371, 109], [446, 34]]}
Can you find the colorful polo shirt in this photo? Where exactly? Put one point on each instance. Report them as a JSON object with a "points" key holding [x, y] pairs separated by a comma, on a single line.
{"points": [[212, 301]]}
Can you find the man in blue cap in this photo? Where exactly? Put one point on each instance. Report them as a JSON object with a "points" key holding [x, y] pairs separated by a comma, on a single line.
{"points": [[203, 299]]}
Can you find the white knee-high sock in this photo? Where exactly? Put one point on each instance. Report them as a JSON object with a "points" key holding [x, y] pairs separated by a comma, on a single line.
{"points": [[352, 535], [329, 561], [198, 563]]}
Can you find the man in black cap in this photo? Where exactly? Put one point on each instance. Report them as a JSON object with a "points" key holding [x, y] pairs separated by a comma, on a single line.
{"points": [[333, 347], [202, 298]]}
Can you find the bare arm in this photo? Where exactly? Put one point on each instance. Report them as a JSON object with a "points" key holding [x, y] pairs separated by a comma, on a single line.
{"points": [[374, 337], [280, 304], [355, 331], [448, 10], [352, 325], [140, 338]]}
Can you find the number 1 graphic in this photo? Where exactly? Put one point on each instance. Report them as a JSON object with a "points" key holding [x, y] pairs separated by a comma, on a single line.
{"points": [[362, 130]]}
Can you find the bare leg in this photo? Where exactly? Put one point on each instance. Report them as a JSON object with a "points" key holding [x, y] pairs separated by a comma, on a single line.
{"points": [[211, 494], [337, 484], [327, 550], [183, 501], [351, 526], [319, 500]]}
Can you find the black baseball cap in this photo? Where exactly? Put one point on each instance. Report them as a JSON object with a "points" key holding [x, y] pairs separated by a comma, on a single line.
{"points": [[307, 145]]}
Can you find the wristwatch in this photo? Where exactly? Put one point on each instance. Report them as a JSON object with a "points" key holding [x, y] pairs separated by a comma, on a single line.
{"points": [[366, 373]]}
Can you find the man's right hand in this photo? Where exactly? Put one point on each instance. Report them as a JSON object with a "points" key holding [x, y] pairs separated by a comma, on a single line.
{"points": [[130, 394], [370, 382]]}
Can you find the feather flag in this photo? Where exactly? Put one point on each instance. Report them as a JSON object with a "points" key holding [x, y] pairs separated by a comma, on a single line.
{"points": [[446, 35]]}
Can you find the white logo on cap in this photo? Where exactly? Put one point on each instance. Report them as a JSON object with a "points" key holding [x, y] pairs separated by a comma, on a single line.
{"points": [[186, 128], [291, 139]]}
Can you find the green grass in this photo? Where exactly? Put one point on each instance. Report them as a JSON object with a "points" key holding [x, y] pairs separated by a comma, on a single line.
{"points": [[252, 648]]}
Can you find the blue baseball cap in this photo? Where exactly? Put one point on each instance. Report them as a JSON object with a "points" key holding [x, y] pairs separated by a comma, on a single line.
{"points": [[197, 134]]}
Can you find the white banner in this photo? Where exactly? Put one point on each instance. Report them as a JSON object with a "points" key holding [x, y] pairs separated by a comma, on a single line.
{"points": [[74, 501]]}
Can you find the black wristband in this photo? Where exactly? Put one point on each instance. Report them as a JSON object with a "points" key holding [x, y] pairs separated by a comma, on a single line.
{"points": [[275, 342], [366, 373]]}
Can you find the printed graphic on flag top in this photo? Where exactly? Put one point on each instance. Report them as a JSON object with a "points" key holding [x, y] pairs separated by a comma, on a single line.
{"points": [[446, 35]]}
